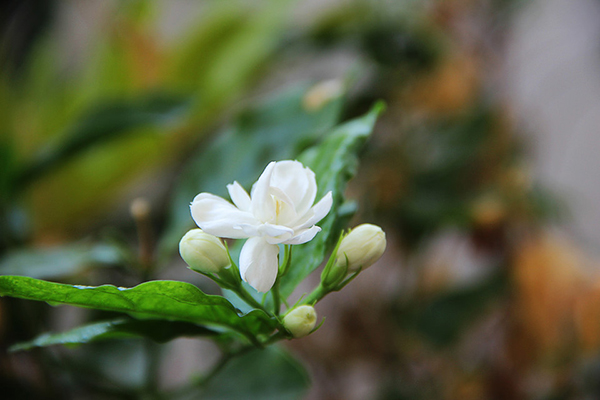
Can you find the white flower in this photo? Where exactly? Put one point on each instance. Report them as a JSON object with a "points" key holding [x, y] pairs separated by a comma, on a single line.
{"points": [[279, 210]]}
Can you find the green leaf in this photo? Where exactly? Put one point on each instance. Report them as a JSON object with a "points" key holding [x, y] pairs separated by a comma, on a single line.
{"points": [[197, 48], [334, 162], [100, 125], [266, 374], [58, 261], [226, 52], [240, 57], [277, 129], [157, 330], [171, 300]]}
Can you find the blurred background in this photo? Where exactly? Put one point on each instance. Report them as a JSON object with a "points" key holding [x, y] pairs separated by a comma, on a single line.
{"points": [[483, 171]]}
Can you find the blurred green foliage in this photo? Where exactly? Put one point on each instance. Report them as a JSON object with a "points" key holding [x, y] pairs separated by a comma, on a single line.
{"points": [[187, 112]]}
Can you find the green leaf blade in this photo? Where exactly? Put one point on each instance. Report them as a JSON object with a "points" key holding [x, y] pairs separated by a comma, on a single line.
{"points": [[157, 330], [102, 124], [170, 300]]}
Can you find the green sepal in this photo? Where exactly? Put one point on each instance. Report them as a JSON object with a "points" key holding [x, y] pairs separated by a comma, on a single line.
{"points": [[332, 275]]}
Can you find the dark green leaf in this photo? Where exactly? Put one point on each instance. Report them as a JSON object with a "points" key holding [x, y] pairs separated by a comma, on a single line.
{"points": [[261, 374], [334, 162], [100, 125], [157, 330], [171, 300], [275, 130], [58, 261]]}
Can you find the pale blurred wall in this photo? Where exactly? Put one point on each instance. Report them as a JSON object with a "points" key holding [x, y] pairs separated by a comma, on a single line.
{"points": [[553, 83]]}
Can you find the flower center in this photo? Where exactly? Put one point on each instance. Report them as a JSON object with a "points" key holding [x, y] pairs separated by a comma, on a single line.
{"points": [[278, 207]]}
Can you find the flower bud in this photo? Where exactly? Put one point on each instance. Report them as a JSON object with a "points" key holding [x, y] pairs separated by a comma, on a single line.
{"points": [[300, 321], [363, 246], [203, 252]]}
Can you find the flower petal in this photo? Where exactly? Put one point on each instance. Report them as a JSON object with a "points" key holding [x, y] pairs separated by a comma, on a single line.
{"points": [[219, 217], [263, 204], [239, 196], [304, 236], [315, 214], [259, 264], [298, 182], [275, 230]]}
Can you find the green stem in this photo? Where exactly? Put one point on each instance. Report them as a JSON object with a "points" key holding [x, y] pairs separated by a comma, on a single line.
{"points": [[316, 295], [276, 298], [221, 364], [247, 297], [218, 367], [231, 355], [152, 368]]}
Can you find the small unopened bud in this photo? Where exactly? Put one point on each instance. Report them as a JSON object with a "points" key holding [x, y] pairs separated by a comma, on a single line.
{"points": [[203, 252], [300, 321], [360, 249]]}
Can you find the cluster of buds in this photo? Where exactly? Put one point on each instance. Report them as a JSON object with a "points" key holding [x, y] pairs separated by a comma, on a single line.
{"points": [[355, 252], [280, 210]]}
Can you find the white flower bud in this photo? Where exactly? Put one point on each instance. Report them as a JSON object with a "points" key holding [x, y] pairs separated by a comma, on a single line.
{"points": [[300, 321], [203, 252], [363, 246]]}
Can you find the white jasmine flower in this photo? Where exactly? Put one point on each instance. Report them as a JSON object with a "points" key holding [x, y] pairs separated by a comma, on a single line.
{"points": [[279, 210]]}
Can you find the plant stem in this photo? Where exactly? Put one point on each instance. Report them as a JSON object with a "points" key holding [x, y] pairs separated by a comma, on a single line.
{"points": [[247, 297], [315, 295], [152, 367], [276, 298]]}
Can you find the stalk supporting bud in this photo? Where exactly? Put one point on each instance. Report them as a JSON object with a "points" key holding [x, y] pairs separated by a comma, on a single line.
{"points": [[360, 249], [300, 321], [203, 252]]}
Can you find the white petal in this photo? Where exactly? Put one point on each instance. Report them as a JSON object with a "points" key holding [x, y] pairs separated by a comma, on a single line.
{"points": [[273, 234], [315, 214], [250, 229], [263, 205], [259, 264], [219, 217], [304, 236], [276, 234], [275, 230], [239, 196], [298, 182]]}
